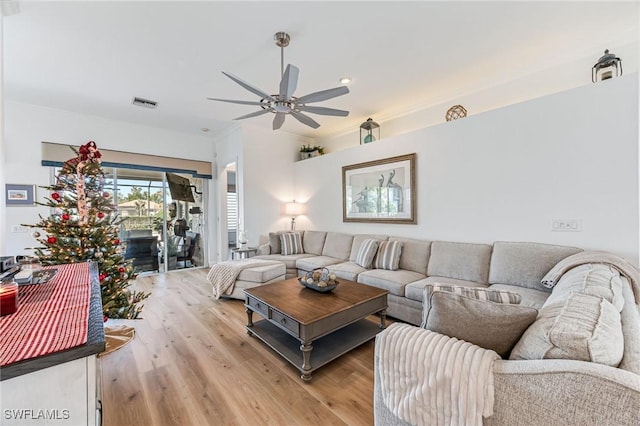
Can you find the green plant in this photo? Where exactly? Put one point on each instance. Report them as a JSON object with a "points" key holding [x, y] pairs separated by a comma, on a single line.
{"points": [[309, 148]]}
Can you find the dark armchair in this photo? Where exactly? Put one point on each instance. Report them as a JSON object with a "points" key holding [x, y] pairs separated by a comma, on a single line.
{"points": [[144, 252]]}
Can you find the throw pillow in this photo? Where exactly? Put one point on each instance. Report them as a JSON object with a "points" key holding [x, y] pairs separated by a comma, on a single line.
{"points": [[497, 296], [291, 243], [388, 256], [367, 252], [491, 325], [274, 243], [581, 327]]}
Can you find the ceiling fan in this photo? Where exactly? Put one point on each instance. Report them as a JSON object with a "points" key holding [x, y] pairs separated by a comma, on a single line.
{"points": [[284, 102]]}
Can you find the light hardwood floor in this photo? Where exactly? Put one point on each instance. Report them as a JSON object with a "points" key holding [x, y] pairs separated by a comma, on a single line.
{"points": [[192, 363]]}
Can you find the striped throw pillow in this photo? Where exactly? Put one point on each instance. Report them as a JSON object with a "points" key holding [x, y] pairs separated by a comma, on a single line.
{"points": [[291, 243], [367, 252], [497, 296], [388, 256]]}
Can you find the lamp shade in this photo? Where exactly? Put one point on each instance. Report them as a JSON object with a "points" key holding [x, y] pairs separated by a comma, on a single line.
{"points": [[293, 209]]}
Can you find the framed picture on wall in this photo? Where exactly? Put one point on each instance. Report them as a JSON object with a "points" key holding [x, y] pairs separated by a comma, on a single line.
{"points": [[380, 191], [20, 195]]}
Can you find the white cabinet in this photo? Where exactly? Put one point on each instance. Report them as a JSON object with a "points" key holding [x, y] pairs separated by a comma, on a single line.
{"points": [[65, 394]]}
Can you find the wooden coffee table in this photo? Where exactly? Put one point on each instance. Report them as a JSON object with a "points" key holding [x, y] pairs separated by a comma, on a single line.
{"points": [[298, 320]]}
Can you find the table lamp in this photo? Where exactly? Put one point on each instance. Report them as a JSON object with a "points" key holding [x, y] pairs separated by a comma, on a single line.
{"points": [[293, 209]]}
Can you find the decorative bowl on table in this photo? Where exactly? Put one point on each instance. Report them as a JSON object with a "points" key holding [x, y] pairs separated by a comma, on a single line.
{"points": [[319, 280]]}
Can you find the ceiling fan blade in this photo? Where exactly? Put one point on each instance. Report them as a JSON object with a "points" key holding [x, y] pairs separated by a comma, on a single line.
{"points": [[249, 87], [289, 82], [305, 119], [323, 95], [253, 114], [324, 111], [237, 102], [278, 120]]}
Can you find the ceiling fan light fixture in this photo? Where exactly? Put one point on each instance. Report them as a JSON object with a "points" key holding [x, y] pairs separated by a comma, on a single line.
{"points": [[284, 103]]}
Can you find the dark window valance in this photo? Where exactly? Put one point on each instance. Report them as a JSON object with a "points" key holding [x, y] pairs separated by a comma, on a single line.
{"points": [[55, 154]]}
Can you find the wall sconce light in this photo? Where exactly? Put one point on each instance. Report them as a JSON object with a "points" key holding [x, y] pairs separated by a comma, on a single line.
{"points": [[608, 66], [369, 131], [293, 209]]}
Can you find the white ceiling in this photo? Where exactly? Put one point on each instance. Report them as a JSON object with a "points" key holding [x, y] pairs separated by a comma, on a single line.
{"points": [[94, 57]]}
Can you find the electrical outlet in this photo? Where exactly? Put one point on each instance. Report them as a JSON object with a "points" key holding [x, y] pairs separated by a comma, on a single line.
{"points": [[19, 229], [566, 225]]}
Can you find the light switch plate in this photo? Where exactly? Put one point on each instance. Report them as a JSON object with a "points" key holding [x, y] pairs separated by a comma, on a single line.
{"points": [[566, 225]]}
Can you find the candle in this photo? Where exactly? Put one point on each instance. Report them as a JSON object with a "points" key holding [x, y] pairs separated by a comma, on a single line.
{"points": [[8, 298]]}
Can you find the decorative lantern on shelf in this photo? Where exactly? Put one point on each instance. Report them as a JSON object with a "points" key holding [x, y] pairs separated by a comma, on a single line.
{"points": [[455, 112], [608, 66], [369, 131]]}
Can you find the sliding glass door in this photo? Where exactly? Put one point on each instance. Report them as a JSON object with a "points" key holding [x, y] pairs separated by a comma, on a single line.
{"points": [[163, 227]]}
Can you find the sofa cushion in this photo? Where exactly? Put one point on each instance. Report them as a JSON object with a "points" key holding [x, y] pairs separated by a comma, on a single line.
{"points": [[463, 261], [291, 243], [313, 242], [580, 327], [262, 274], [394, 281], [357, 242], [388, 256], [367, 252], [491, 325], [346, 270], [311, 263], [529, 297], [415, 290], [289, 261], [594, 279], [415, 254], [525, 264], [337, 245]]}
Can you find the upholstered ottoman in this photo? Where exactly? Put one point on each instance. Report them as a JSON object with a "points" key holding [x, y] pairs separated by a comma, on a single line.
{"points": [[257, 275]]}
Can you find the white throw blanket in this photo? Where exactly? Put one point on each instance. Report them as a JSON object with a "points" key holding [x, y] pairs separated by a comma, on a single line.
{"points": [[621, 264], [427, 378], [222, 276]]}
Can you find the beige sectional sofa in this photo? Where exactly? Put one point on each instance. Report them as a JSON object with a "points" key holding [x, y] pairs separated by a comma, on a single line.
{"points": [[528, 391], [517, 266]]}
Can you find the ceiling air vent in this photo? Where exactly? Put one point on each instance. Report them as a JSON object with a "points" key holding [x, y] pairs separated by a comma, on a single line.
{"points": [[144, 103]]}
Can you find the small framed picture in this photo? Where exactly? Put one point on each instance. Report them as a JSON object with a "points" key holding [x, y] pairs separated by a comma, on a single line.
{"points": [[20, 195]]}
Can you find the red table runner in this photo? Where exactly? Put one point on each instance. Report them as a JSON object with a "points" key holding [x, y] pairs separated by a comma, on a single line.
{"points": [[51, 317]]}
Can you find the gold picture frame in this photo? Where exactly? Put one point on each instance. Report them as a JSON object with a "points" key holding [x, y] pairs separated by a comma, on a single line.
{"points": [[380, 191]]}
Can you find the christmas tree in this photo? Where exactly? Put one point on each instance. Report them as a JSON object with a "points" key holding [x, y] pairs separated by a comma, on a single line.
{"points": [[84, 227]]}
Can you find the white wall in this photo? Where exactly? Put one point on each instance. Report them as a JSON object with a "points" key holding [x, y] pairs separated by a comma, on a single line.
{"points": [[547, 79], [265, 168], [26, 126], [267, 179], [507, 173]]}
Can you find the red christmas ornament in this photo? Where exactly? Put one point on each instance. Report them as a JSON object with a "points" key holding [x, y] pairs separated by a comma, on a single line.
{"points": [[106, 195], [116, 242], [102, 277], [105, 318], [65, 216], [52, 240], [55, 196], [121, 269], [100, 215]]}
